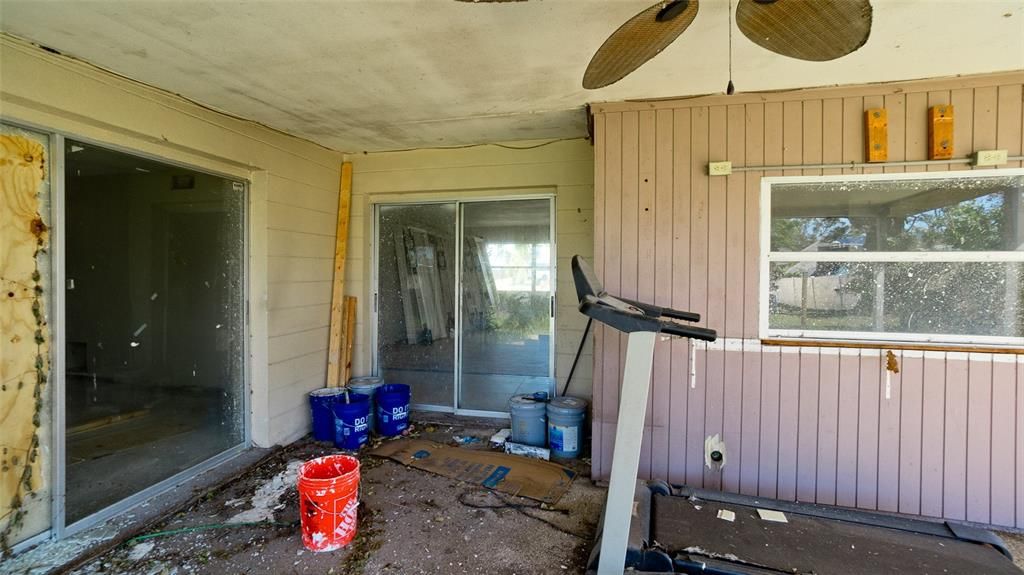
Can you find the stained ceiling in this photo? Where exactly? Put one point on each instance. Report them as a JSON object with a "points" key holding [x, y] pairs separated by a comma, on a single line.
{"points": [[393, 74]]}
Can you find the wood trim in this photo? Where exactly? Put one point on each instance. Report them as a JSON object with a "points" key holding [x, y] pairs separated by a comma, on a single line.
{"points": [[892, 346], [858, 90], [334, 350]]}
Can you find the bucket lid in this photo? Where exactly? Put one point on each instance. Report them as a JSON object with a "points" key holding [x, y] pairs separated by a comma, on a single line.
{"points": [[327, 391], [567, 405], [525, 402]]}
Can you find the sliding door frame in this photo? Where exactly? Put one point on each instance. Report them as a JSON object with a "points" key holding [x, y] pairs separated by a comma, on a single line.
{"points": [[59, 528], [457, 200]]}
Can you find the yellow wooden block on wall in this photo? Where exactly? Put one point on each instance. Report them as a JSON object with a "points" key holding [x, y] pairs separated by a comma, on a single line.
{"points": [[940, 132], [876, 135]]}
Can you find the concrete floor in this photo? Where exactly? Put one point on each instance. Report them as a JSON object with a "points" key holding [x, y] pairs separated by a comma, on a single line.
{"points": [[410, 522]]}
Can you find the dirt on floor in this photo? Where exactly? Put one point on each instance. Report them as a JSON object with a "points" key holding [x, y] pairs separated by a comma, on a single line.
{"points": [[410, 522], [1015, 543]]}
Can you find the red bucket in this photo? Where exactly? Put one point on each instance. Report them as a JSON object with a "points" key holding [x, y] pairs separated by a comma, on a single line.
{"points": [[328, 499]]}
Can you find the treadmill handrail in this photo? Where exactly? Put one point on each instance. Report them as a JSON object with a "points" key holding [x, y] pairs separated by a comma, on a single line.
{"points": [[628, 318]]}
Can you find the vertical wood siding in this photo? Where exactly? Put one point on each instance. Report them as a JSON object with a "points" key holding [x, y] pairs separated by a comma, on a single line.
{"points": [[807, 424]]}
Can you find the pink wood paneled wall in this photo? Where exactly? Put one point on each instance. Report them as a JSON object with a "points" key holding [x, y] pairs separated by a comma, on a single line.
{"points": [[808, 424]]}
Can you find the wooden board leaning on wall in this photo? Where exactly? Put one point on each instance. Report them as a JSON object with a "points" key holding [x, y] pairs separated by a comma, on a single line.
{"points": [[24, 335]]}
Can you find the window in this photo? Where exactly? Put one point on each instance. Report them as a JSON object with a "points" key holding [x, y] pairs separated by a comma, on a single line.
{"points": [[520, 267], [932, 257]]}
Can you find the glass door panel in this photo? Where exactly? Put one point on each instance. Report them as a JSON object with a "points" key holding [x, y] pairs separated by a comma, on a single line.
{"points": [[416, 300], [506, 302], [155, 334]]}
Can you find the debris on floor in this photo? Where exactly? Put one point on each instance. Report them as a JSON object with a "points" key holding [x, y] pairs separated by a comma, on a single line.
{"points": [[409, 521]]}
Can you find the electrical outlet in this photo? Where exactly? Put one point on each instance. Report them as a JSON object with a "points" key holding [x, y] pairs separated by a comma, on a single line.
{"points": [[719, 168], [990, 157]]}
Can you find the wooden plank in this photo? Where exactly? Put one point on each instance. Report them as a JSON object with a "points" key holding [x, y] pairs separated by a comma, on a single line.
{"points": [[754, 154], [853, 132], [663, 209], [698, 290], [715, 242], [942, 98], [867, 431], [612, 370], [350, 334], [812, 135], [954, 483], [792, 136], [915, 145], [889, 399], [807, 425], [1020, 444], [713, 409], [597, 393], [849, 400], [750, 421], [899, 126], [628, 247], [940, 132], [933, 429], [979, 438], [911, 413], [832, 134], [334, 358], [895, 346], [1004, 428], [25, 346], [768, 448], [735, 225], [876, 130], [986, 101], [645, 263], [1009, 134], [963, 132], [828, 428], [789, 423], [680, 284], [872, 102]]}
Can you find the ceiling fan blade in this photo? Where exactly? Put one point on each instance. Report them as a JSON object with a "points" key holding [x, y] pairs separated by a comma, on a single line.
{"points": [[641, 38], [816, 30]]}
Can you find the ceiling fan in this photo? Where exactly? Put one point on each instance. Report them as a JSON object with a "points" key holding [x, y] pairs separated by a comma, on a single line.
{"points": [[815, 30]]}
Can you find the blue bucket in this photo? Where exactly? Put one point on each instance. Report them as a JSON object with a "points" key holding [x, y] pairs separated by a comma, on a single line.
{"points": [[320, 403], [393, 409], [351, 421]]}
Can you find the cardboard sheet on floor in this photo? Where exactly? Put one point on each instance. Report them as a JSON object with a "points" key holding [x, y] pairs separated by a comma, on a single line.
{"points": [[512, 474]]}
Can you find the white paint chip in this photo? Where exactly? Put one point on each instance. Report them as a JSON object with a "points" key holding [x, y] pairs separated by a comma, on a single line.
{"points": [[727, 515], [769, 515]]}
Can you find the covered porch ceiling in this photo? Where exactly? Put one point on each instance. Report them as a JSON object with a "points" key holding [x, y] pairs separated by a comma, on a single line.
{"points": [[367, 75]]}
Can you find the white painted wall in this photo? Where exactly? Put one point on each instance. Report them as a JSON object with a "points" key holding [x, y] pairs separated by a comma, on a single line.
{"points": [[293, 206], [565, 167]]}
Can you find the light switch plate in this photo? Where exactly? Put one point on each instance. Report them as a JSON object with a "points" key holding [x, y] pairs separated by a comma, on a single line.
{"points": [[990, 157], [719, 168]]}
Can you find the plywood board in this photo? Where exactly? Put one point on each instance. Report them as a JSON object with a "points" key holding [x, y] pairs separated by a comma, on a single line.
{"points": [[24, 336]]}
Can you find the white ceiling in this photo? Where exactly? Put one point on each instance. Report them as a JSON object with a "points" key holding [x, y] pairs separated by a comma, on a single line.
{"points": [[391, 74]]}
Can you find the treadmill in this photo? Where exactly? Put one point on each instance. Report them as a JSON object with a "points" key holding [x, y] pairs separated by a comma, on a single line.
{"points": [[655, 527]]}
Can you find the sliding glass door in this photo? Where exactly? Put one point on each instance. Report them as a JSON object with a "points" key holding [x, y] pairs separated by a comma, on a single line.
{"points": [[155, 332], [464, 298]]}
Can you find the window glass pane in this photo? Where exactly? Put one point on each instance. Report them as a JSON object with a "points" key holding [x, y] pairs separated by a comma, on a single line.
{"points": [[508, 254], [513, 279], [955, 214], [543, 253], [948, 298], [155, 301]]}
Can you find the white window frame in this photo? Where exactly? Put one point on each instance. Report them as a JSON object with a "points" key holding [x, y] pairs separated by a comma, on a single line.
{"points": [[767, 257]]}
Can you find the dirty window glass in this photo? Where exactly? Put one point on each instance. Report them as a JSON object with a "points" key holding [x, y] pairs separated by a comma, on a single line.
{"points": [[928, 259], [975, 214]]}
